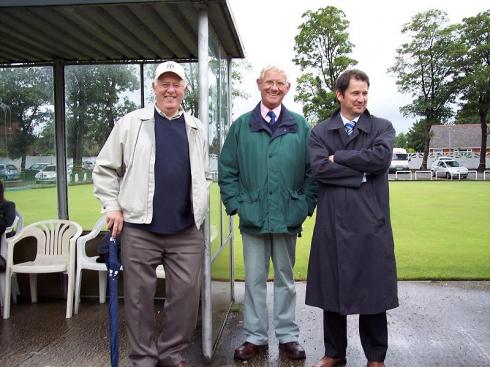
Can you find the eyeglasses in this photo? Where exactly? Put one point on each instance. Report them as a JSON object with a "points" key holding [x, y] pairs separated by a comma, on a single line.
{"points": [[271, 83], [166, 85]]}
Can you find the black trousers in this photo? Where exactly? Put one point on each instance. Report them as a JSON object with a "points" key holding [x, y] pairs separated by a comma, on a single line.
{"points": [[373, 330]]}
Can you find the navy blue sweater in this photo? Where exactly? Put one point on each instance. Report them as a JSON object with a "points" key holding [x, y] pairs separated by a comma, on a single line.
{"points": [[172, 210]]}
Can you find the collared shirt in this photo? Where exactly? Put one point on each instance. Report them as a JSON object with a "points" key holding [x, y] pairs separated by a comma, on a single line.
{"points": [[176, 115], [264, 110], [345, 120]]}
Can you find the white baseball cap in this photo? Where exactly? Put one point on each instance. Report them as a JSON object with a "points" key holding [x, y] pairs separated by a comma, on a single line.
{"points": [[170, 67]]}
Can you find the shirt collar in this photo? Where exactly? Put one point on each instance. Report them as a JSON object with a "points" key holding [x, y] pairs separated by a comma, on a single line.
{"points": [[345, 120], [175, 116], [264, 110]]}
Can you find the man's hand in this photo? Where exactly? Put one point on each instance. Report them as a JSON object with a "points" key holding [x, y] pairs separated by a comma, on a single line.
{"points": [[115, 221], [330, 158]]}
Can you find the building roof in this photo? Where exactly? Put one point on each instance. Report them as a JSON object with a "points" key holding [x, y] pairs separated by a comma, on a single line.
{"points": [[41, 31], [456, 136]]}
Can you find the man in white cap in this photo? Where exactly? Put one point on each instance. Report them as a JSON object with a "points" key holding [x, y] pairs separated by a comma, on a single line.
{"points": [[150, 177]]}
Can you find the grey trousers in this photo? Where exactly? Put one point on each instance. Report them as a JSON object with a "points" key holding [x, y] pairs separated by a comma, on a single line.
{"points": [[181, 255], [258, 250]]}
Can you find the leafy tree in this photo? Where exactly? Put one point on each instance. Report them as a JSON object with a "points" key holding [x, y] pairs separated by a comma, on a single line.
{"points": [[416, 136], [401, 141], [467, 115], [321, 50], [474, 63], [238, 68], [424, 68], [94, 102], [26, 96], [45, 144], [191, 100]]}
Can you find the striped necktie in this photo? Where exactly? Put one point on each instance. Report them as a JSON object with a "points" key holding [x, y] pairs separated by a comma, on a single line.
{"points": [[349, 127], [272, 115]]}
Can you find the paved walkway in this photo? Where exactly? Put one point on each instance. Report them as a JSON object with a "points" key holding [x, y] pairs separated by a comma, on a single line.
{"points": [[437, 324]]}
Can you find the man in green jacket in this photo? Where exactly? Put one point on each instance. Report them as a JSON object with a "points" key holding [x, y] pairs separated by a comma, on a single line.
{"points": [[265, 178]]}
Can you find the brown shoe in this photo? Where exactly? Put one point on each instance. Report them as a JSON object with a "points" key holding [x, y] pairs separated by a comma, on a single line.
{"points": [[375, 364], [293, 350], [248, 350], [330, 362]]}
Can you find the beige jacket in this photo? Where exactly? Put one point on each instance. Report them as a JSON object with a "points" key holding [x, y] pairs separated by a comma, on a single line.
{"points": [[124, 177]]}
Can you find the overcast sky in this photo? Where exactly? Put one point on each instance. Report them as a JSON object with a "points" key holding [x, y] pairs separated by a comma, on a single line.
{"points": [[267, 29]]}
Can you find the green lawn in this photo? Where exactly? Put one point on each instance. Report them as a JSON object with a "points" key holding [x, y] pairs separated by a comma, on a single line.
{"points": [[440, 228]]}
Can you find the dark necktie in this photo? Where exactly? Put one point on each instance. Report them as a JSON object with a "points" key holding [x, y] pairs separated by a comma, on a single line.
{"points": [[272, 115], [349, 127]]}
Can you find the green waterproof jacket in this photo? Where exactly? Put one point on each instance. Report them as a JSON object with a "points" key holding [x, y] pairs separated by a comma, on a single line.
{"points": [[265, 175]]}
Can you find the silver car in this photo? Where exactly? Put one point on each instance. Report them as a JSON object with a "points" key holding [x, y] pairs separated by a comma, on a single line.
{"points": [[448, 168], [46, 175]]}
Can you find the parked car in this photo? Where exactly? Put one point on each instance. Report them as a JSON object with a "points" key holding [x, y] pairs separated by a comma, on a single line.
{"points": [[88, 165], [30, 172], [47, 174], [9, 172], [449, 168], [443, 158], [399, 160]]}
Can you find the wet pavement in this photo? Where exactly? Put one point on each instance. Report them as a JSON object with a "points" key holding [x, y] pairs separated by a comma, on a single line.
{"points": [[437, 324]]}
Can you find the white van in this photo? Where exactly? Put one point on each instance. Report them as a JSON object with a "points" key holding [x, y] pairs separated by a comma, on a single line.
{"points": [[399, 160]]}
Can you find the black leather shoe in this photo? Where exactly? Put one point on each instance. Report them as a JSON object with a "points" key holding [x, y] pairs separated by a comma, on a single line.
{"points": [[248, 350], [293, 350]]}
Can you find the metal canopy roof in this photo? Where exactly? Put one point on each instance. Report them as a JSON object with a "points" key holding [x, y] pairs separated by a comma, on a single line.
{"points": [[101, 31]]}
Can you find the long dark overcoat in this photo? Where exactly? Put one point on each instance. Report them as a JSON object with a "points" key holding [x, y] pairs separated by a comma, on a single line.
{"points": [[352, 267]]}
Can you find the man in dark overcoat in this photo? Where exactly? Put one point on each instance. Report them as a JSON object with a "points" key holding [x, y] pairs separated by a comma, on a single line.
{"points": [[352, 267]]}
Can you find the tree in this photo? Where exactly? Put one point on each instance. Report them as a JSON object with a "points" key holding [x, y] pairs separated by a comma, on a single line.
{"points": [[474, 63], [238, 67], [94, 102], [321, 50], [424, 68], [401, 141], [27, 94], [416, 136]]}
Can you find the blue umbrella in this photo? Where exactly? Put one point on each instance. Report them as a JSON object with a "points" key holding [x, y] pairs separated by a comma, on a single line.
{"points": [[113, 268]]}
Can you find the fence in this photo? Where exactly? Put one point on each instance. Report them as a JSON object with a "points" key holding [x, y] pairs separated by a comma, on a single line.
{"points": [[419, 175], [467, 159]]}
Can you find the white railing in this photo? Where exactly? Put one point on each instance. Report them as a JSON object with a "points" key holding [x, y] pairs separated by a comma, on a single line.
{"points": [[473, 172], [423, 173], [453, 176], [438, 175], [404, 172]]}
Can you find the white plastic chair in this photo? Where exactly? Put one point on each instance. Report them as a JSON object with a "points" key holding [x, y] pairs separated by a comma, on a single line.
{"points": [[89, 262], [15, 227], [56, 241]]}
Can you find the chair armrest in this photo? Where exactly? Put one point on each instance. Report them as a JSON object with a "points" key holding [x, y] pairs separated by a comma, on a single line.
{"points": [[12, 241], [82, 240], [13, 227]]}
